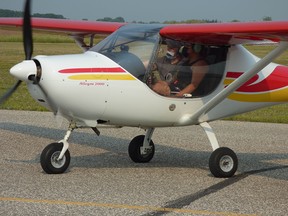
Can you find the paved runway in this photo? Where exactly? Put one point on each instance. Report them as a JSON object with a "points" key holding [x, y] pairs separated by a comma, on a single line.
{"points": [[102, 180]]}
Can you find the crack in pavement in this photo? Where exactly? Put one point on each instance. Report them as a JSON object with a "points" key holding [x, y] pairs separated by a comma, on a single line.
{"points": [[187, 200]]}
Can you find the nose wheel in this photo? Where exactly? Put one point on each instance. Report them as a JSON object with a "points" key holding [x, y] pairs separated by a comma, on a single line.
{"points": [[50, 161], [55, 158]]}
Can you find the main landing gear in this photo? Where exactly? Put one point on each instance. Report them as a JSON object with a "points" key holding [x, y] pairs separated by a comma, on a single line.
{"points": [[141, 149], [223, 162]]}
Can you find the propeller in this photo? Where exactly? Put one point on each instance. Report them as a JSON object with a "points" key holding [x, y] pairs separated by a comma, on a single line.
{"points": [[27, 32], [28, 47], [10, 92]]}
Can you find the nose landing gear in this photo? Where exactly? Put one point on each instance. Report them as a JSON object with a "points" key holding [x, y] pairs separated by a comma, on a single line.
{"points": [[55, 158], [50, 161]]}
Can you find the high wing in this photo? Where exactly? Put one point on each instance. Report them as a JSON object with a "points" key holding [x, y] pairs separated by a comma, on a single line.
{"points": [[75, 28], [62, 25], [205, 33], [228, 33]]}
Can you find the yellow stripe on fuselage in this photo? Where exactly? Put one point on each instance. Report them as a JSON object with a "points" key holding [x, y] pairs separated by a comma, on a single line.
{"points": [[102, 77], [271, 96], [228, 81]]}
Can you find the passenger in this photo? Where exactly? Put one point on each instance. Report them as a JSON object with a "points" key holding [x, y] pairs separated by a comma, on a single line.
{"points": [[193, 71], [166, 68]]}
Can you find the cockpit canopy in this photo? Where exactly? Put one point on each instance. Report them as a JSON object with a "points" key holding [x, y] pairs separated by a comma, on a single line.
{"points": [[132, 47], [138, 48]]}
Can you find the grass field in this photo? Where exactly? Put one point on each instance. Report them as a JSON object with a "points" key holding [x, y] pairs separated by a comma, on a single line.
{"points": [[11, 52]]}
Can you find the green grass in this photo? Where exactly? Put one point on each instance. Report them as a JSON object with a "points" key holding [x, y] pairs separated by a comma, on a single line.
{"points": [[9, 34], [11, 52], [274, 114]]}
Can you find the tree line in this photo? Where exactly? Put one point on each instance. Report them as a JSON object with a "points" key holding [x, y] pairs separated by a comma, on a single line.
{"points": [[11, 13]]}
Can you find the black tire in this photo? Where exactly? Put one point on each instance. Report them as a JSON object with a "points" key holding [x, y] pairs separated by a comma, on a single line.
{"points": [[134, 150], [223, 163], [48, 159]]}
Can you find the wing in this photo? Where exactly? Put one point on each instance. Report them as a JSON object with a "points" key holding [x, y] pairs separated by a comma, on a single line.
{"points": [[68, 26], [228, 33], [76, 29]]}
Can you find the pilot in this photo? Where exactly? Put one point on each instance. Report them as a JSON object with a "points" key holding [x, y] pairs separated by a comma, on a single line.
{"points": [[192, 73], [166, 68]]}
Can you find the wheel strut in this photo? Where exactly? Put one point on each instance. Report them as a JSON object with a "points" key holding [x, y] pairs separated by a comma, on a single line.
{"points": [[146, 148], [71, 127], [210, 134]]}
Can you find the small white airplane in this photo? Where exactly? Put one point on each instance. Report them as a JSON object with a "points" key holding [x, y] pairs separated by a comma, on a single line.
{"points": [[111, 84]]}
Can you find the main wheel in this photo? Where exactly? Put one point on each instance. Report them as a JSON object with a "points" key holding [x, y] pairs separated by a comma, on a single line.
{"points": [[49, 159], [134, 150], [223, 162]]}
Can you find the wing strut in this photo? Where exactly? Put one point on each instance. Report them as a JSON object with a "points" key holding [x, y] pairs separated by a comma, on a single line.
{"points": [[283, 46]]}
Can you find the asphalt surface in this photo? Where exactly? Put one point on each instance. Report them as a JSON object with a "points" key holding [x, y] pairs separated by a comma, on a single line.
{"points": [[102, 180]]}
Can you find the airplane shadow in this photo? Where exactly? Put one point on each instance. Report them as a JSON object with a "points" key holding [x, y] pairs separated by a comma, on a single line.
{"points": [[115, 154]]}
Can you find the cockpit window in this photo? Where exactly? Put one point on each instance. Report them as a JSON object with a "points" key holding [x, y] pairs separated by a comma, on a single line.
{"points": [[170, 68], [186, 70], [131, 47]]}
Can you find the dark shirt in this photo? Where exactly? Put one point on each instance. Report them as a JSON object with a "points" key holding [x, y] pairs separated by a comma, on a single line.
{"points": [[184, 76], [168, 71]]}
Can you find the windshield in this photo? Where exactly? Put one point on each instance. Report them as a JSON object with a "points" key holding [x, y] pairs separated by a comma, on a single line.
{"points": [[132, 47]]}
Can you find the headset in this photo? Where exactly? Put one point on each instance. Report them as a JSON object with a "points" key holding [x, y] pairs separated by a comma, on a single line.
{"points": [[197, 48]]}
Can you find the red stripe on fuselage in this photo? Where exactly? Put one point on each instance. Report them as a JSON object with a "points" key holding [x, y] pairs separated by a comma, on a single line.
{"points": [[93, 70], [276, 80]]}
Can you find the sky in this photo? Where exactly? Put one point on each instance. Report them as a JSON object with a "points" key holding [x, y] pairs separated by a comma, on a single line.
{"points": [[158, 10]]}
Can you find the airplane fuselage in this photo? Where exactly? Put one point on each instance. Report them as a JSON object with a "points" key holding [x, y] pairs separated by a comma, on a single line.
{"points": [[110, 84], [90, 88]]}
